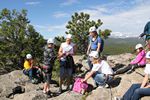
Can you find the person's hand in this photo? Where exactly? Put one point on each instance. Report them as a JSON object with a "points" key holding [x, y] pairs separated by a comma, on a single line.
{"points": [[67, 53], [82, 80]]}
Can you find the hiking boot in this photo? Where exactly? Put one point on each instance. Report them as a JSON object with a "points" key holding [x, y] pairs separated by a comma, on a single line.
{"points": [[49, 94], [129, 72], [60, 91]]}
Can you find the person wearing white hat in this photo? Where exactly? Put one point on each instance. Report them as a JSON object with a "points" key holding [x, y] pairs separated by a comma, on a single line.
{"points": [[28, 65], [67, 49], [95, 43], [49, 59], [137, 91], [101, 71], [139, 61]]}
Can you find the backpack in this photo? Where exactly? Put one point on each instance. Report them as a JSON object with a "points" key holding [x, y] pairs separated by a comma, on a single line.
{"points": [[16, 90], [80, 87]]}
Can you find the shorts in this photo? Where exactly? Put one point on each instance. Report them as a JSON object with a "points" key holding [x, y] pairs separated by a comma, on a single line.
{"points": [[48, 73], [64, 71]]}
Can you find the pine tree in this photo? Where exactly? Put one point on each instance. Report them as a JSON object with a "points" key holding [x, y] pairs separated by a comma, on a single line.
{"points": [[79, 26], [18, 38]]}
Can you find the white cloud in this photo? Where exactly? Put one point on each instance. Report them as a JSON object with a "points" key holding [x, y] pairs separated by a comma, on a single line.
{"points": [[60, 14], [69, 2], [123, 22], [51, 30], [32, 3]]}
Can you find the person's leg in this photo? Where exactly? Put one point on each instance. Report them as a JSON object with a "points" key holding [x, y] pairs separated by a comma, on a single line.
{"points": [[62, 72], [69, 79], [128, 95], [133, 67], [100, 79], [123, 70], [30, 74], [140, 92]]}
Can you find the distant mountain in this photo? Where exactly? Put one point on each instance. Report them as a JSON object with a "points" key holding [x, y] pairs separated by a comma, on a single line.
{"points": [[120, 45]]}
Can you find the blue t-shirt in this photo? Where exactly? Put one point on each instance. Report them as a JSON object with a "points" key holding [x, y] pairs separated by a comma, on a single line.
{"points": [[94, 44]]}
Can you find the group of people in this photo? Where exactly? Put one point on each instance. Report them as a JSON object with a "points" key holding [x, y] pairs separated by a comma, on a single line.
{"points": [[99, 69]]}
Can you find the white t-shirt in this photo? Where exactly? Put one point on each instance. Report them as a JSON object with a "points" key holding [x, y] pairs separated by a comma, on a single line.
{"points": [[147, 69], [67, 48], [102, 67]]}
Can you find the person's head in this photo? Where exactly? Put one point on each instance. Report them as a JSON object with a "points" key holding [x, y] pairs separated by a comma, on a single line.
{"points": [[148, 57], [29, 57], [68, 38], [92, 31], [139, 48], [94, 56], [50, 43]]}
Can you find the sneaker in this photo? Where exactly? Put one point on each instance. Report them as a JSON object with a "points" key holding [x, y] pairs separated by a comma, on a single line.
{"points": [[117, 98], [44, 91], [99, 87], [60, 91], [49, 94]]}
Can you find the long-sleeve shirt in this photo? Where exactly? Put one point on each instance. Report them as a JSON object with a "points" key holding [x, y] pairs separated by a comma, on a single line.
{"points": [[140, 58]]}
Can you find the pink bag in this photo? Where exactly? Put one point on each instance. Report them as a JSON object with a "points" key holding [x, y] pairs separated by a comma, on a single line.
{"points": [[79, 87]]}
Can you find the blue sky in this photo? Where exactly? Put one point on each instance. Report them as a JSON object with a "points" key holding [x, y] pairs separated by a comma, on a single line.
{"points": [[126, 18]]}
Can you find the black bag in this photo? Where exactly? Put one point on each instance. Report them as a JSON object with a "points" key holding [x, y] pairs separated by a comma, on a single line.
{"points": [[16, 90]]}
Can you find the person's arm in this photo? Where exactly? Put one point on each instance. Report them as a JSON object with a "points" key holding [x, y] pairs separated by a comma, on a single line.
{"points": [[144, 81], [88, 76], [88, 50], [60, 52], [74, 49], [138, 58], [99, 44], [98, 47]]}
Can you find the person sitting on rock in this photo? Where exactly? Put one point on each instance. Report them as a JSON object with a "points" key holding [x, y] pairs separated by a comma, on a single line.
{"points": [[136, 91], [49, 59], [139, 61], [101, 71], [29, 69], [65, 53]]}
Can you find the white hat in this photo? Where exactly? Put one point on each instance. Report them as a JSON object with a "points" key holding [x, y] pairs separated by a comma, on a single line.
{"points": [[92, 29], [94, 54], [28, 56], [138, 46], [50, 40], [69, 36], [148, 54]]}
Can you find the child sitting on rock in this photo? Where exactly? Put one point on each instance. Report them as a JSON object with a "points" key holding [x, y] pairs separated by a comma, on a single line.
{"points": [[101, 71], [136, 91], [139, 61], [29, 69]]}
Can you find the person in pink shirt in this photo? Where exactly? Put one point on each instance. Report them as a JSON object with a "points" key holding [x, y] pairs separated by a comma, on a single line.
{"points": [[139, 61]]}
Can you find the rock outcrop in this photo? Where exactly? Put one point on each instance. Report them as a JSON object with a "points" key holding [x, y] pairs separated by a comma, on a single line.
{"points": [[34, 92]]}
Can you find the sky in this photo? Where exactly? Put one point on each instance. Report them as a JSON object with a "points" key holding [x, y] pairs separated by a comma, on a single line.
{"points": [[126, 18]]}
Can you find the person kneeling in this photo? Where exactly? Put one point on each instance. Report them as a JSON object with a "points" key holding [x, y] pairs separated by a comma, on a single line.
{"points": [[101, 71]]}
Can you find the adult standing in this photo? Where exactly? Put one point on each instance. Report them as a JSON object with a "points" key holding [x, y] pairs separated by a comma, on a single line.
{"points": [[49, 59], [147, 33], [65, 53], [95, 43]]}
